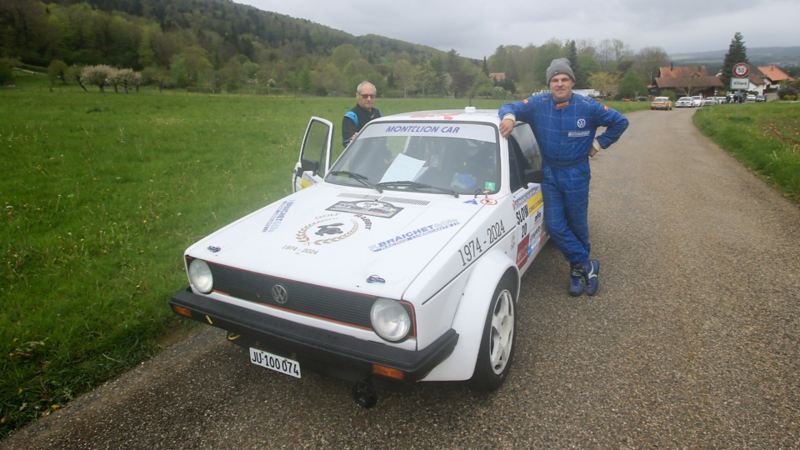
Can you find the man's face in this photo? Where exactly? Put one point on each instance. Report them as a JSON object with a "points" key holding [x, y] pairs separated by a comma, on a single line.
{"points": [[561, 87], [366, 97]]}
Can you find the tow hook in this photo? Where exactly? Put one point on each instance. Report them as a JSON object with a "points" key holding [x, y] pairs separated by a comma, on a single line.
{"points": [[364, 394]]}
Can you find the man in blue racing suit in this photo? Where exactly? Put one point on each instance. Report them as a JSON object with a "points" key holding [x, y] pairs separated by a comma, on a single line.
{"points": [[565, 125]]}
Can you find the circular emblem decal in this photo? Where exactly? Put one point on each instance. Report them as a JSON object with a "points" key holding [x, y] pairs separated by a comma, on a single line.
{"points": [[581, 123], [280, 294]]}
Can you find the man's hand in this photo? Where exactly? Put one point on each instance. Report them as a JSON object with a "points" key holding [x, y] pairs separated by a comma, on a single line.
{"points": [[506, 126], [594, 149]]}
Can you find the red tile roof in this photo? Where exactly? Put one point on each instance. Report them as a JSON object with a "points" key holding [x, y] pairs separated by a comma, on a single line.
{"points": [[683, 76], [774, 73]]}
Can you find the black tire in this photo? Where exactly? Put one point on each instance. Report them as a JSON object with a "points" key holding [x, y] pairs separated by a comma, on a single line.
{"points": [[497, 344]]}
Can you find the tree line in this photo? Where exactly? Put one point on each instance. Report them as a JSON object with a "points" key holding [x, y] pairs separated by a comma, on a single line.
{"points": [[220, 46]]}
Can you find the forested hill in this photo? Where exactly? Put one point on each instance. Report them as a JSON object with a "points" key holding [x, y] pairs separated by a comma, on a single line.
{"points": [[241, 28], [190, 39]]}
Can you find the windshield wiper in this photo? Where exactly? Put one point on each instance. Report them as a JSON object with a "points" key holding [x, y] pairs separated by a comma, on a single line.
{"points": [[415, 186], [358, 177]]}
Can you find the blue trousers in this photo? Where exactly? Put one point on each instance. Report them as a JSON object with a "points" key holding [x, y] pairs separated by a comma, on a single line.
{"points": [[566, 208]]}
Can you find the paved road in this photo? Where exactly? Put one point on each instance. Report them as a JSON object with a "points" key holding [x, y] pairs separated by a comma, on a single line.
{"points": [[693, 340]]}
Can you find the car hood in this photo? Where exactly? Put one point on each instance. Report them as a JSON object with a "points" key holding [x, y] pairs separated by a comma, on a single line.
{"points": [[342, 238]]}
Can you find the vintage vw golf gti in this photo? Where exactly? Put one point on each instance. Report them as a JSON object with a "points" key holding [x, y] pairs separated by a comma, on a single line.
{"points": [[400, 261]]}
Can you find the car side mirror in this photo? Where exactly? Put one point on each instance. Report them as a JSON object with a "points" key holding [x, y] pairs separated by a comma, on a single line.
{"points": [[307, 166], [534, 176]]}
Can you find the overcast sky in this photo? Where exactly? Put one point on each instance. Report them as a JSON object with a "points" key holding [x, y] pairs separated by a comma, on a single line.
{"points": [[475, 28]]}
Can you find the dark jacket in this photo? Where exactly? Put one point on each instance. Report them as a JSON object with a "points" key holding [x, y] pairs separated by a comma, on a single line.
{"points": [[354, 120]]}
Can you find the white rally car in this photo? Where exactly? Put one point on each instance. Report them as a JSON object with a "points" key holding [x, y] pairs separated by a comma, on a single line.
{"points": [[400, 261]]}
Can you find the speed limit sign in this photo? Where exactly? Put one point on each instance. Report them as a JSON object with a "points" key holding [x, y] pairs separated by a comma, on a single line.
{"points": [[741, 70]]}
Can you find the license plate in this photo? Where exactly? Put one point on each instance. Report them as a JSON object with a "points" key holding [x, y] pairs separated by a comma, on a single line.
{"points": [[274, 362]]}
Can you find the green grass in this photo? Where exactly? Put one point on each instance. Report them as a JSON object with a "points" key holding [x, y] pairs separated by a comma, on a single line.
{"points": [[763, 136], [100, 195]]}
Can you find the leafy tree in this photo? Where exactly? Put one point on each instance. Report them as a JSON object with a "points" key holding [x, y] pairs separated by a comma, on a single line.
{"points": [[648, 61], [606, 83], [97, 75], [155, 75], [57, 71], [404, 76], [737, 53], [74, 74], [631, 85], [577, 69], [6, 71]]}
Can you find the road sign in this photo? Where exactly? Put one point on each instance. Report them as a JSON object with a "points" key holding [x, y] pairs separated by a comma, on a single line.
{"points": [[740, 83], [741, 70]]}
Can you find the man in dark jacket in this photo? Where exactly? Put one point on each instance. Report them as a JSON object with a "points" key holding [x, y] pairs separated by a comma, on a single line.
{"points": [[565, 125], [363, 112]]}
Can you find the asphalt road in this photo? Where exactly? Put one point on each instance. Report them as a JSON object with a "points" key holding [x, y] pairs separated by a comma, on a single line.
{"points": [[693, 340]]}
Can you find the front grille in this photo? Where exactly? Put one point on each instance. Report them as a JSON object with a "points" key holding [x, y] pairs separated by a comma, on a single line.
{"points": [[331, 304]]}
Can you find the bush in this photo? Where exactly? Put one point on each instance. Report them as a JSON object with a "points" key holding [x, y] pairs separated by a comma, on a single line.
{"points": [[6, 71], [57, 71], [788, 93]]}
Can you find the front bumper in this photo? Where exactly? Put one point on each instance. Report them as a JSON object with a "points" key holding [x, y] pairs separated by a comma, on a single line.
{"points": [[324, 351]]}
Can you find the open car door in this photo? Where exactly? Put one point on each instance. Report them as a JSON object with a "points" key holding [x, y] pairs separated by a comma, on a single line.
{"points": [[315, 154]]}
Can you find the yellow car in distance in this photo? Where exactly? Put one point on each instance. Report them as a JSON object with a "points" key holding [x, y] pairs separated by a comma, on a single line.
{"points": [[661, 103]]}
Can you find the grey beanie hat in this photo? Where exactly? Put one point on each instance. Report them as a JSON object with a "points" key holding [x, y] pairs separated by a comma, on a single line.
{"points": [[559, 66]]}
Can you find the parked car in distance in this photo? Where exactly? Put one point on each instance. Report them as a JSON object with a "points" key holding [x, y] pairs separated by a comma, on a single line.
{"points": [[661, 103], [751, 97], [684, 102], [708, 101], [697, 101], [761, 98]]}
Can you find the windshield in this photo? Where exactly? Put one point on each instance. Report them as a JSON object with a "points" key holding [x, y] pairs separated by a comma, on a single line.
{"points": [[446, 157]]}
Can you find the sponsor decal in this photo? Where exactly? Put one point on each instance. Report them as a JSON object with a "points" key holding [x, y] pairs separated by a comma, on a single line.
{"points": [[523, 199], [374, 208], [538, 216], [471, 202], [488, 201], [413, 234], [578, 134], [581, 123], [523, 250], [277, 218], [535, 202]]}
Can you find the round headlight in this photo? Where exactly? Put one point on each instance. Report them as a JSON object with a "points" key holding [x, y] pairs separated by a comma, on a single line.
{"points": [[200, 276], [390, 320]]}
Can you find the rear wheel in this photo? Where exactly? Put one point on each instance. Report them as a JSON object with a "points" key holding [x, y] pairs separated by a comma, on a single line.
{"points": [[497, 343]]}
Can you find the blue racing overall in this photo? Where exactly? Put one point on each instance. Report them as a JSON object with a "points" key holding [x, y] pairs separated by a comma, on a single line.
{"points": [[565, 133]]}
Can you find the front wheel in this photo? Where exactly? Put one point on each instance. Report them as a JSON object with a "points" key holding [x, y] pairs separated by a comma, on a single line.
{"points": [[497, 343]]}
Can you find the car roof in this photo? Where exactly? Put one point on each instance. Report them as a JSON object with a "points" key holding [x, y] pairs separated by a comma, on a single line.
{"points": [[470, 114]]}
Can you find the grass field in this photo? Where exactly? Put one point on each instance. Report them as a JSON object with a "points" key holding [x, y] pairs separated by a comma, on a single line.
{"points": [[100, 195], [763, 136]]}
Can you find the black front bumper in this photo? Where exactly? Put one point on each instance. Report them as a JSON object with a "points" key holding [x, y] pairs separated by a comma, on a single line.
{"points": [[333, 353]]}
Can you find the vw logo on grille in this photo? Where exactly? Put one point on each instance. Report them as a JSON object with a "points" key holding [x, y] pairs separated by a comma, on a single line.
{"points": [[280, 294]]}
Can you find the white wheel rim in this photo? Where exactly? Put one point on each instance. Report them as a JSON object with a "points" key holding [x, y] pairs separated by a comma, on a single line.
{"points": [[501, 333]]}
